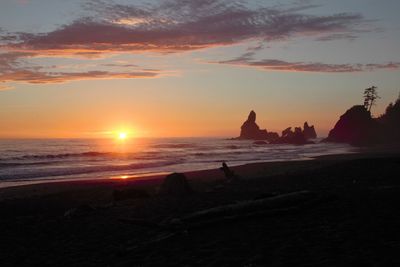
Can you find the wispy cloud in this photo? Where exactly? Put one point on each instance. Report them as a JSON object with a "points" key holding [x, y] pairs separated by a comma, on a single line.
{"points": [[246, 60], [120, 65], [14, 69], [5, 87], [36, 77]]}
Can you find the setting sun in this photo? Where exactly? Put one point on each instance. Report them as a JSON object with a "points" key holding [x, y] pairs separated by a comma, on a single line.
{"points": [[122, 135]]}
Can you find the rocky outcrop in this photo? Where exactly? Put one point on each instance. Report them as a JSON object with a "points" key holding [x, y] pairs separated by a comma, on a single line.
{"points": [[271, 136], [309, 131], [250, 130], [355, 126], [296, 137]]}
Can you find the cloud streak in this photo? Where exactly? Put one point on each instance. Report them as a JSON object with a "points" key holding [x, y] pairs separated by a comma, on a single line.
{"points": [[36, 77], [5, 87], [13, 69], [279, 65]]}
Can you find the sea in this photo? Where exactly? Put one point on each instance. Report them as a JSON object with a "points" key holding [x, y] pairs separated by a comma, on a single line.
{"points": [[47, 160]]}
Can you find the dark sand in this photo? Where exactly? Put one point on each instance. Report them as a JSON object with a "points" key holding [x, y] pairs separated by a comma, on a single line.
{"points": [[353, 220]]}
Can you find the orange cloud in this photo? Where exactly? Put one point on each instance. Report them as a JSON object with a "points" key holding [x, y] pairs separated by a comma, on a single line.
{"points": [[36, 77], [5, 87], [12, 69]]}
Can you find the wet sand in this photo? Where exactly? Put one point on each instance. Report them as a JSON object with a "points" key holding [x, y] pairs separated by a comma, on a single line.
{"points": [[350, 219]]}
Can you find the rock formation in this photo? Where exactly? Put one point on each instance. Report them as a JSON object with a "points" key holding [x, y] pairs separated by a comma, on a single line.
{"points": [[355, 126], [287, 132], [296, 137], [309, 131], [250, 130]]}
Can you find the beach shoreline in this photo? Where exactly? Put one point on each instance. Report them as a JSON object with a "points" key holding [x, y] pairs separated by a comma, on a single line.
{"points": [[49, 186], [344, 213], [15, 188]]}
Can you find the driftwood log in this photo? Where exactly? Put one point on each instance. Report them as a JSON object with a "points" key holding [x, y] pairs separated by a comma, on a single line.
{"points": [[247, 209], [251, 209]]}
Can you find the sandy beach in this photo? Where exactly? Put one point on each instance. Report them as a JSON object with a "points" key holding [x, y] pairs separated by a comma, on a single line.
{"points": [[344, 213]]}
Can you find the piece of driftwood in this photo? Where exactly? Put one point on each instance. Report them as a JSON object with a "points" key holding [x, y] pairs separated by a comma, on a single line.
{"points": [[222, 215], [226, 220], [249, 206]]}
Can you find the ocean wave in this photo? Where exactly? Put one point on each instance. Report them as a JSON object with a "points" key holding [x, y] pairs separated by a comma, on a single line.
{"points": [[64, 155], [233, 147], [50, 172], [87, 156], [58, 159], [24, 164], [183, 145]]}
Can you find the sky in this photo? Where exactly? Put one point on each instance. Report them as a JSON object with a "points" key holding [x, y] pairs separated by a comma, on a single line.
{"points": [[173, 68]]}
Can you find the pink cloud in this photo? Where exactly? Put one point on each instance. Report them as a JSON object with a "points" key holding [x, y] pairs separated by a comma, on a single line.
{"points": [[280, 65]]}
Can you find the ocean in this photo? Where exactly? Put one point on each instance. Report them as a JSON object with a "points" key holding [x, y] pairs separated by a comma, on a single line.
{"points": [[37, 161]]}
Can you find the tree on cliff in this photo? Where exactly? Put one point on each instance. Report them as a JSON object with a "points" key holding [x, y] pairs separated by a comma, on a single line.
{"points": [[370, 97]]}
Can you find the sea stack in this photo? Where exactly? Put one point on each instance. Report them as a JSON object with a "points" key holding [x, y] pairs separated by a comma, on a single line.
{"points": [[309, 131], [355, 126], [251, 131]]}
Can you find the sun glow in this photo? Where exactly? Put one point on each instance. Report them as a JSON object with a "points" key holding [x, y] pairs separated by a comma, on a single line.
{"points": [[122, 135]]}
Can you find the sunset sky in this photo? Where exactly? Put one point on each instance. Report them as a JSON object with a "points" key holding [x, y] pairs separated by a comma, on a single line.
{"points": [[169, 68]]}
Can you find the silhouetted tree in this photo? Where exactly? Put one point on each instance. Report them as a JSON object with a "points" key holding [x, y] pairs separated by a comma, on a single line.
{"points": [[370, 97]]}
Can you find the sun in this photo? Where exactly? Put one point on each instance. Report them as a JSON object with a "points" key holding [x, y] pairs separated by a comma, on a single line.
{"points": [[122, 135]]}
